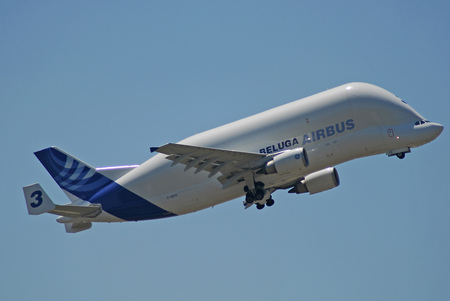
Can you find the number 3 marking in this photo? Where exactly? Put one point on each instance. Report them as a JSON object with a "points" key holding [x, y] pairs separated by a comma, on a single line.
{"points": [[37, 195]]}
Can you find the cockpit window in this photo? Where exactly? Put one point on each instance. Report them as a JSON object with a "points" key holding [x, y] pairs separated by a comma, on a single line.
{"points": [[421, 122], [401, 99]]}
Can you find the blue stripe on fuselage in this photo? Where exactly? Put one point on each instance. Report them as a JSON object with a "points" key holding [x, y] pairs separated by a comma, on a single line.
{"points": [[124, 204], [87, 184]]}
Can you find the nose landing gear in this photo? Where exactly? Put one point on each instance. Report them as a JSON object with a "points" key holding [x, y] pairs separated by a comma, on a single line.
{"points": [[401, 155], [399, 152]]}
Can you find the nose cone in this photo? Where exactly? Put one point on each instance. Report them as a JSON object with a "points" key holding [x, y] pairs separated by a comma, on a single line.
{"points": [[435, 129], [424, 132]]}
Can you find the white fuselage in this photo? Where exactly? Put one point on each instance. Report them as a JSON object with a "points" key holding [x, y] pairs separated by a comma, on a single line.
{"points": [[348, 122]]}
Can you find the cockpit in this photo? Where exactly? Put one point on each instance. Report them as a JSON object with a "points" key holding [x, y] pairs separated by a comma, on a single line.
{"points": [[423, 121]]}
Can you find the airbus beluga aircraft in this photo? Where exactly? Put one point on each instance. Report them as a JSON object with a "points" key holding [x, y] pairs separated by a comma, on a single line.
{"points": [[293, 147]]}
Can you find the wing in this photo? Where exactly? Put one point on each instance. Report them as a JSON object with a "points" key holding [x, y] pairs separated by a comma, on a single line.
{"points": [[234, 166]]}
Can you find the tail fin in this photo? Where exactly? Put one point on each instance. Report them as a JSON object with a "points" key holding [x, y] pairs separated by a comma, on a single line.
{"points": [[71, 174], [37, 200], [74, 217]]}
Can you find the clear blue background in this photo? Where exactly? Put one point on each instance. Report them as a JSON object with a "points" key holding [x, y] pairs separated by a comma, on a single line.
{"points": [[106, 80]]}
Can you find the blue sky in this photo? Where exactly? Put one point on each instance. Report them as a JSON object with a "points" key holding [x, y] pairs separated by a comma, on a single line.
{"points": [[106, 80]]}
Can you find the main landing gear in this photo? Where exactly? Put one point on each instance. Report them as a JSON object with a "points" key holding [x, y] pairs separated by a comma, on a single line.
{"points": [[260, 196]]}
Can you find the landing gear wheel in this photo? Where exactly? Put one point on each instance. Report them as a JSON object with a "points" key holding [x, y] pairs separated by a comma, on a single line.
{"points": [[259, 206], [270, 202], [401, 155], [249, 198], [259, 194]]}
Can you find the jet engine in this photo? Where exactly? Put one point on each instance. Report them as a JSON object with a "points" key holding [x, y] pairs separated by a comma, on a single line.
{"points": [[318, 181], [287, 161]]}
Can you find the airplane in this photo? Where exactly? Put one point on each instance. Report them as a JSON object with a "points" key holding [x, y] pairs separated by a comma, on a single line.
{"points": [[295, 146]]}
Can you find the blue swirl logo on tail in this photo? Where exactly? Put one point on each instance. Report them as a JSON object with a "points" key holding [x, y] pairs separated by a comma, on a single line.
{"points": [[72, 174]]}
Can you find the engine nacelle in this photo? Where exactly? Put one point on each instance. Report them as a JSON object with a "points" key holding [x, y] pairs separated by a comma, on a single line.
{"points": [[287, 161], [318, 181]]}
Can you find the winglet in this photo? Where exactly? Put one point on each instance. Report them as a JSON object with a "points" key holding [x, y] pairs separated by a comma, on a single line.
{"points": [[153, 149]]}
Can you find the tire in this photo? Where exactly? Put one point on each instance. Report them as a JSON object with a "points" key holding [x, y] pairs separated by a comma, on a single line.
{"points": [[259, 185], [249, 198], [259, 194], [401, 155]]}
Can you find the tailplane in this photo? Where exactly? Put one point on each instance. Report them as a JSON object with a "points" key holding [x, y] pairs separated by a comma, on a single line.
{"points": [[75, 217], [77, 227], [79, 181]]}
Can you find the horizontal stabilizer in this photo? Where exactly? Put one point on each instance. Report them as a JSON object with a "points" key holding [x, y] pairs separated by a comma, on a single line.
{"points": [[77, 227], [77, 211], [115, 172]]}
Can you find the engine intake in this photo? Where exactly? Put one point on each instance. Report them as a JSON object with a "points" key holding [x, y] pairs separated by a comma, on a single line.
{"points": [[288, 161], [318, 181]]}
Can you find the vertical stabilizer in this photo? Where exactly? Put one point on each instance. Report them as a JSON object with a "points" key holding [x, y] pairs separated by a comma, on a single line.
{"points": [[38, 201], [72, 174]]}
